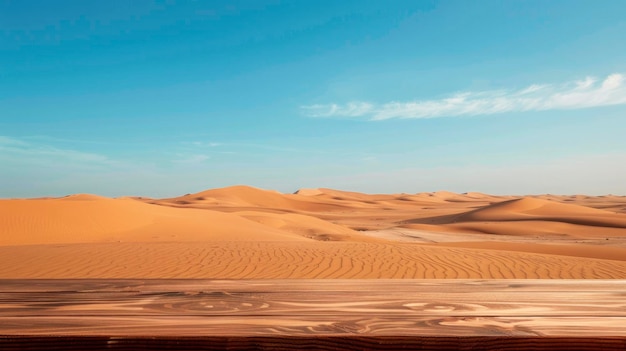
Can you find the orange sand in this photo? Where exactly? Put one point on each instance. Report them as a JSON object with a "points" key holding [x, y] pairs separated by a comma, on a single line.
{"points": [[243, 232]]}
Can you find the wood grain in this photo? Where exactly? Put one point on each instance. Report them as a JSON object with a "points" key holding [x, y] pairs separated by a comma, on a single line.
{"points": [[313, 314]]}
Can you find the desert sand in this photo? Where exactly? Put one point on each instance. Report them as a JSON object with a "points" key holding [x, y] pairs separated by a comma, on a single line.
{"points": [[242, 232]]}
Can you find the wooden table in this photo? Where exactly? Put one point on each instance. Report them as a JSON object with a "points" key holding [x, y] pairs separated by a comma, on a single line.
{"points": [[313, 314]]}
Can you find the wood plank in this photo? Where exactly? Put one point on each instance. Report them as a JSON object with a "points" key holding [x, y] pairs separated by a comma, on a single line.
{"points": [[357, 314], [289, 343]]}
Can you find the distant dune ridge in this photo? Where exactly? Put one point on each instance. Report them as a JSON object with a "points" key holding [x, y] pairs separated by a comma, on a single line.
{"points": [[246, 232]]}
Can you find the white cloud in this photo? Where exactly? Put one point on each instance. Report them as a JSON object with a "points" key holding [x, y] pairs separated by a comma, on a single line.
{"points": [[351, 109], [586, 93]]}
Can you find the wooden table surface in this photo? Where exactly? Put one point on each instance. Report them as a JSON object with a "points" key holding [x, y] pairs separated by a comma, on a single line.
{"points": [[313, 314]]}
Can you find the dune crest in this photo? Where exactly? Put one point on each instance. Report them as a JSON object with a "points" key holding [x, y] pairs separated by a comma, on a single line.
{"points": [[83, 197], [308, 192]]}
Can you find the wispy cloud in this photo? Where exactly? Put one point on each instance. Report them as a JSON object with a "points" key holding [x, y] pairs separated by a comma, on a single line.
{"points": [[202, 143], [351, 109], [24, 151], [194, 159], [6, 141], [586, 93]]}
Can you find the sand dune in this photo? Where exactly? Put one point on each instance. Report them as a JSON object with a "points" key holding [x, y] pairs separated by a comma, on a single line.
{"points": [[533, 208], [538, 229], [530, 216], [245, 232], [245, 197], [607, 202], [240, 196], [306, 226], [90, 219]]}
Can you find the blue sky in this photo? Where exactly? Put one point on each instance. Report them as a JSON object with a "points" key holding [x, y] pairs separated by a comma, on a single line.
{"points": [[162, 98]]}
